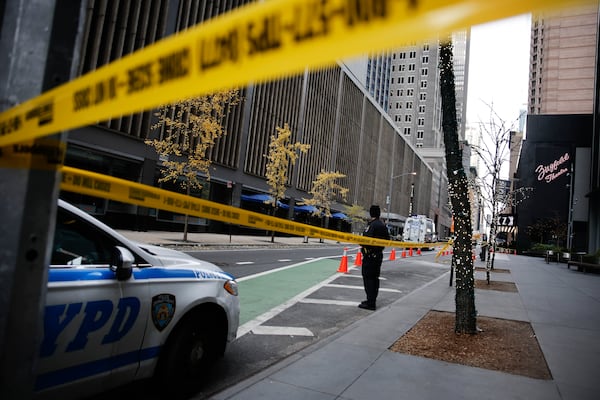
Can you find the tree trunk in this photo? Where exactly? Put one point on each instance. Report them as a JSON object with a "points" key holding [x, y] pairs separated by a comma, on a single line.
{"points": [[185, 219], [462, 261], [274, 211]]}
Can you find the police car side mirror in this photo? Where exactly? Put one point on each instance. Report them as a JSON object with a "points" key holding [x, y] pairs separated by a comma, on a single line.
{"points": [[121, 262]]}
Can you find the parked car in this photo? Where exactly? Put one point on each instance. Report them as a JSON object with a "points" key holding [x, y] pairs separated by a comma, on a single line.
{"points": [[118, 311]]}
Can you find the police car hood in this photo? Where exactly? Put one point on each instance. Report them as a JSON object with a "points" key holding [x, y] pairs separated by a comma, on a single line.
{"points": [[169, 257]]}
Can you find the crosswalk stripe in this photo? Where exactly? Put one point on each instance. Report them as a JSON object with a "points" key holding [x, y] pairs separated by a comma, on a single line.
{"points": [[281, 331], [329, 302], [333, 285]]}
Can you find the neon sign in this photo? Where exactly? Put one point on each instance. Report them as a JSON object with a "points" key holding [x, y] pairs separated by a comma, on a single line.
{"points": [[550, 172]]}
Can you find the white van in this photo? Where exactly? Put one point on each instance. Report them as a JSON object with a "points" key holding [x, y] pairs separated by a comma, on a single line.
{"points": [[419, 229]]}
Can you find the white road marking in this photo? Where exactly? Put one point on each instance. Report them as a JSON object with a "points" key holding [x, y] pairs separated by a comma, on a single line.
{"points": [[250, 325], [381, 278], [284, 260], [329, 302], [281, 331], [271, 271], [244, 262], [333, 285]]}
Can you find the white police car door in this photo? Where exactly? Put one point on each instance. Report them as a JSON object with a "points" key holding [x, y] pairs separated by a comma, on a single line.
{"points": [[93, 323]]}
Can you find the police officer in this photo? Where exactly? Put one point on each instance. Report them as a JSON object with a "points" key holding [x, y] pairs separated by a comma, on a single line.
{"points": [[372, 258]]}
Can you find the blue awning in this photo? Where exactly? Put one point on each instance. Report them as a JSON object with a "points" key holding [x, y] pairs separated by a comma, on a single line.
{"points": [[262, 198], [307, 209], [339, 215]]}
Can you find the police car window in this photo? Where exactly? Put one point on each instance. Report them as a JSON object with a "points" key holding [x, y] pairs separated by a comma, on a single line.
{"points": [[78, 243]]}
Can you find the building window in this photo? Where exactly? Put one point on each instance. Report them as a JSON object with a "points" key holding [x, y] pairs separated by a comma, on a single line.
{"points": [[410, 92], [413, 54], [402, 56], [424, 71], [401, 67], [423, 96], [408, 118], [419, 145], [421, 109], [410, 79], [409, 105], [419, 135], [423, 84], [426, 47], [425, 59], [411, 67], [421, 122], [407, 131], [401, 79]]}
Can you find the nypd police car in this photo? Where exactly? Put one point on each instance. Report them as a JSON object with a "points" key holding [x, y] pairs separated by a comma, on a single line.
{"points": [[118, 311]]}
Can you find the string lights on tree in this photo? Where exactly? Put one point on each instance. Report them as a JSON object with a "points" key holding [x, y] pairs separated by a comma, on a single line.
{"points": [[458, 188]]}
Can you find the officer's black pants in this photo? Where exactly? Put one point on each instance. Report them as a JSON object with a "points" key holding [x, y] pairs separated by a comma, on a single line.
{"points": [[371, 268]]}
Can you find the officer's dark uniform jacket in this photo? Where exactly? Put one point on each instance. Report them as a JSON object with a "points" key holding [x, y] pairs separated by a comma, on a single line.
{"points": [[376, 229]]}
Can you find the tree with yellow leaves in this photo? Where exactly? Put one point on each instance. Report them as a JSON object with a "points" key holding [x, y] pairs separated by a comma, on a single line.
{"points": [[356, 214], [187, 131], [282, 155], [324, 191]]}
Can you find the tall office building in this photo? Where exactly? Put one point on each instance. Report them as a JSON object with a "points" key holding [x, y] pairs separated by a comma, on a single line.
{"points": [[559, 158], [405, 82], [563, 62], [326, 108]]}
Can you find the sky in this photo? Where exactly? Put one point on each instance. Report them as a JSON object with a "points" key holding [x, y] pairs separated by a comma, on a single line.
{"points": [[499, 69]]}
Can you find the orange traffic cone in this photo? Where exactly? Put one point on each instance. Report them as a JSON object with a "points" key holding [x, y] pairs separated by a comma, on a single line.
{"points": [[403, 253], [393, 255], [344, 263], [358, 259], [410, 252], [418, 252]]}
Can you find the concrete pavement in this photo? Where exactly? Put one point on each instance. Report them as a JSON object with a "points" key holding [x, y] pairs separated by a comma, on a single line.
{"points": [[562, 306]]}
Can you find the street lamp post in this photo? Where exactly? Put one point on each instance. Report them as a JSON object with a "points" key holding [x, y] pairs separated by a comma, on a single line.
{"points": [[389, 199]]}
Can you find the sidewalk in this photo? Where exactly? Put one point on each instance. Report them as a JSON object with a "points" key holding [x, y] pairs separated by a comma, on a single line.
{"points": [[563, 307]]}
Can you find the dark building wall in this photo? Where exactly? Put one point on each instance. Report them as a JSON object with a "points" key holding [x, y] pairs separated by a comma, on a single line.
{"points": [[547, 157], [325, 108]]}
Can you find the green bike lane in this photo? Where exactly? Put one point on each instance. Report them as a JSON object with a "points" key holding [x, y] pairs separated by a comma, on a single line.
{"points": [[269, 290]]}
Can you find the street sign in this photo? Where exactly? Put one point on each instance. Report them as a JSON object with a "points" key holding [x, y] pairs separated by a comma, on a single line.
{"points": [[506, 220]]}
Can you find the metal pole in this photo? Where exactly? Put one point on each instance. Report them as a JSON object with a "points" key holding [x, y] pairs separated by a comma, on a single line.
{"points": [[570, 223], [38, 61], [389, 199], [412, 196]]}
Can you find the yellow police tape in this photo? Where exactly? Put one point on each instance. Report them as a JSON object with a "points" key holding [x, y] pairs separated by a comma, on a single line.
{"points": [[108, 187], [258, 42]]}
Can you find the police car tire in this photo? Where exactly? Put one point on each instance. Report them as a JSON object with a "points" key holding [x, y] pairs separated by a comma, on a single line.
{"points": [[188, 353]]}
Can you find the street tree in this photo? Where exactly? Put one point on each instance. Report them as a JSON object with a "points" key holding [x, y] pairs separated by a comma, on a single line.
{"points": [[325, 190], [356, 214], [187, 132], [548, 230], [458, 188], [282, 156], [493, 150]]}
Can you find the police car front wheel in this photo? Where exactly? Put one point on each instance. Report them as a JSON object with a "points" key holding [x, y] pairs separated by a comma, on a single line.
{"points": [[189, 353]]}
